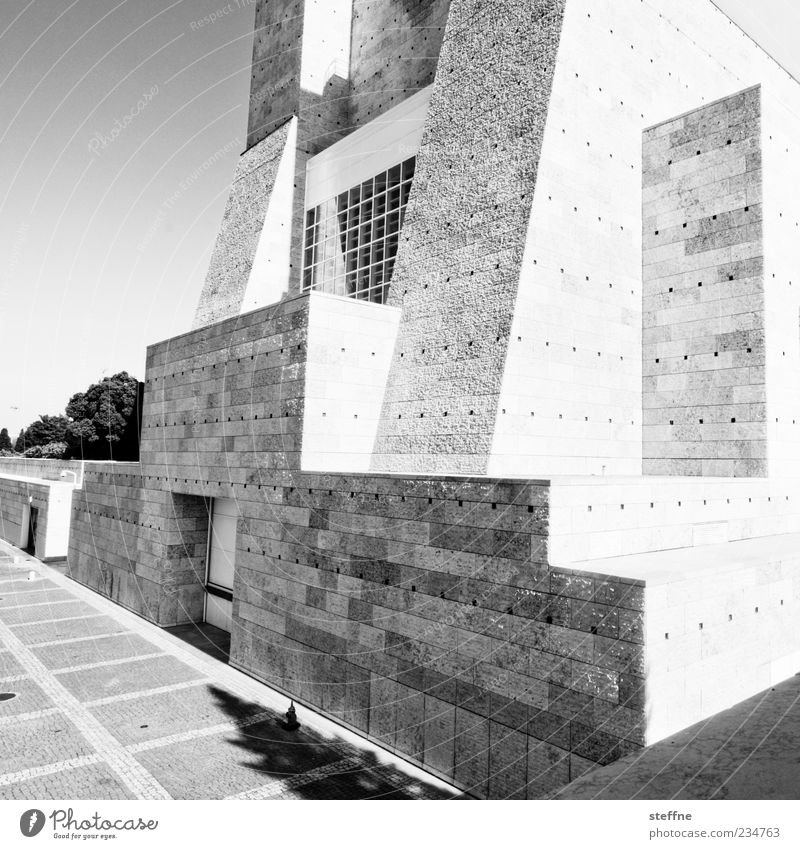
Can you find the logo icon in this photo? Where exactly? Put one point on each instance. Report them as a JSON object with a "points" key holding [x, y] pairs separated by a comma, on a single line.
{"points": [[31, 822]]}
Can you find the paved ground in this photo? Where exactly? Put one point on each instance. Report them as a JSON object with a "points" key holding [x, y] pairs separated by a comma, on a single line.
{"points": [[751, 751], [107, 706]]}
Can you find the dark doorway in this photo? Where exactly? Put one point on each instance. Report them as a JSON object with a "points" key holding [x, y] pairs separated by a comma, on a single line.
{"points": [[33, 522], [207, 638]]}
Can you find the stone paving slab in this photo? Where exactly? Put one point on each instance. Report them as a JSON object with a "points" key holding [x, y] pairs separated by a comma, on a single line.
{"points": [[110, 706], [93, 781], [29, 698], [13, 584], [37, 596], [9, 666], [103, 648], [379, 783], [32, 613], [94, 626], [39, 741], [131, 676], [230, 763], [153, 717]]}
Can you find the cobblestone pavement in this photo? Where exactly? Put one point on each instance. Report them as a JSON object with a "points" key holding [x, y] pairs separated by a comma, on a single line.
{"points": [[96, 703]]}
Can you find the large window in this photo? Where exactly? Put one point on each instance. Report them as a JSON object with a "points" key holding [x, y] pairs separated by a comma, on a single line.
{"points": [[351, 240]]}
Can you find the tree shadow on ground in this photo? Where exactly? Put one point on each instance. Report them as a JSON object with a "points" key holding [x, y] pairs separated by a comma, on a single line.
{"points": [[314, 767]]}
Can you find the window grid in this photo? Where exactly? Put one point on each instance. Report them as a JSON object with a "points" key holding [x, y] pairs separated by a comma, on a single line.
{"points": [[351, 240]]}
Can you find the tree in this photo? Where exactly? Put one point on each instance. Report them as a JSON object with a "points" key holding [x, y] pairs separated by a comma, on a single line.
{"points": [[104, 420], [51, 451], [43, 431], [5, 440]]}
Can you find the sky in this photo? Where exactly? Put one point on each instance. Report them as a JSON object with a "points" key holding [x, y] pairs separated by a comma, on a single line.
{"points": [[121, 123]]}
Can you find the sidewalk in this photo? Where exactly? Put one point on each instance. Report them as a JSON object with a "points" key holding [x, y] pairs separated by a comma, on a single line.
{"points": [[97, 703], [750, 751]]}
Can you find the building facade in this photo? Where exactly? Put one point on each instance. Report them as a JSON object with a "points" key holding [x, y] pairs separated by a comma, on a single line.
{"points": [[485, 440]]}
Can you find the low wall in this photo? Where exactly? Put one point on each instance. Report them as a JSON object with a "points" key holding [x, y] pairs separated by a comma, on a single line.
{"points": [[45, 469], [51, 499], [721, 626], [601, 517], [421, 612], [418, 611], [141, 547]]}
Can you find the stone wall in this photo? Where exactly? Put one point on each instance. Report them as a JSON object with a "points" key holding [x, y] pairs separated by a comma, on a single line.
{"points": [[227, 400], [394, 51], [350, 344], [781, 210], [14, 495], [704, 391], [553, 383], [140, 545], [720, 626], [593, 517], [241, 229], [277, 57], [52, 501], [420, 612], [45, 469], [459, 261], [571, 401]]}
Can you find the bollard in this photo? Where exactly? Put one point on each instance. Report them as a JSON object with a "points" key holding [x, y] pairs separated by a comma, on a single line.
{"points": [[291, 718]]}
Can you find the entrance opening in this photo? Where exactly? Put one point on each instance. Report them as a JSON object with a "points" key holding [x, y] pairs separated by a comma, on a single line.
{"points": [[33, 524], [28, 525], [224, 513], [208, 638]]}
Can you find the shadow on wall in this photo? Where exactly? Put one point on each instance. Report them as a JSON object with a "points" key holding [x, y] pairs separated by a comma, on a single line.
{"points": [[341, 771]]}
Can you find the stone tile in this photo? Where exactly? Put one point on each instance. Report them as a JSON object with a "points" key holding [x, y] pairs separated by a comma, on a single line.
{"points": [[132, 676], [96, 650], [56, 739]]}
